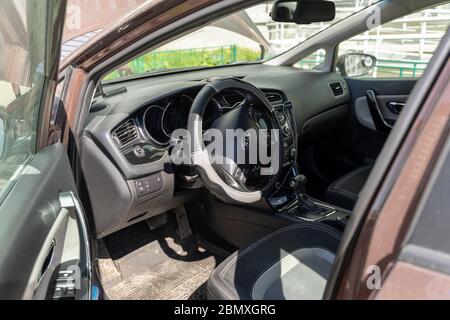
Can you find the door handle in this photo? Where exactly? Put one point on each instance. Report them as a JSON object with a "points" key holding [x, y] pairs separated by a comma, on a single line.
{"points": [[375, 111], [48, 260], [395, 106], [71, 202]]}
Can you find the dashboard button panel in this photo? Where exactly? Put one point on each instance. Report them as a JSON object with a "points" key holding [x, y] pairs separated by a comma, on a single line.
{"points": [[284, 117], [148, 185]]}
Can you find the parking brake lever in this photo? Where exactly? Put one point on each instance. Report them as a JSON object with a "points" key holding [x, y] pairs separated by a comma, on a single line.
{"points": [[378, 120]]}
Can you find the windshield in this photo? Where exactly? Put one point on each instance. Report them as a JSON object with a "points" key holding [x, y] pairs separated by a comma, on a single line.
{"points": [[248, 36]]}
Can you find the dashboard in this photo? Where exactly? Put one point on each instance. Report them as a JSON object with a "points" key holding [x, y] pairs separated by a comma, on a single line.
{"points": [[145, 137], [126, 141]]}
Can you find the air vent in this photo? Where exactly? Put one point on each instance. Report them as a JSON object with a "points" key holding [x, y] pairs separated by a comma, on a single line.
{"points": [[337, 88], [274, 97], [233, 98], [126, 133]]}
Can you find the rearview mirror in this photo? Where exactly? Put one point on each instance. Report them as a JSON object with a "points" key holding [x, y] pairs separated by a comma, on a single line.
{"points": [[356, 64], [303, 11]]}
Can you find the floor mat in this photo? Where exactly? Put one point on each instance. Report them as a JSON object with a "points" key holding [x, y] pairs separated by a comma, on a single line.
{"points": [[139, 264], [171, 280]]}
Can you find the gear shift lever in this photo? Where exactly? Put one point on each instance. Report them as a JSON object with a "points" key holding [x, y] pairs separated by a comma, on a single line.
{"points": [[299, 183], [307, 208]]}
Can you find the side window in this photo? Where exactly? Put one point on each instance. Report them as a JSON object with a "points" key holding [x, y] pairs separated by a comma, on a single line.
{"points": [[399, 49], [312, 61], [23, 31]]}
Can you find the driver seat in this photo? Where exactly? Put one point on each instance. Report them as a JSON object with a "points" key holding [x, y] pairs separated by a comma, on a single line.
{"points": [[293, 263]]}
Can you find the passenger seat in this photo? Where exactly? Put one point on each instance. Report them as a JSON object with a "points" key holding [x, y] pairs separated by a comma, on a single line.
{"points": [[344, 192]]}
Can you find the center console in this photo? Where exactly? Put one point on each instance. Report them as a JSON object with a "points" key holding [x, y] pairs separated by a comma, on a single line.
{"points": [[305, 208], [284, 117], [292, 202]]}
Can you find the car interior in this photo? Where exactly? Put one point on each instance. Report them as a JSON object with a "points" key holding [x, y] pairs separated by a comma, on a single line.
{"points": [[204, 231]]}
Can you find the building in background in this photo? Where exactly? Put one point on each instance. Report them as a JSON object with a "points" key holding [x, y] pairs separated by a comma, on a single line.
{"points": [[403, 47]]}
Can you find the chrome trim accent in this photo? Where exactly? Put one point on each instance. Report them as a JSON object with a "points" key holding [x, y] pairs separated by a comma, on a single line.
{"points": [[294, 204], [145, 125], [280, 101], [167, 107], [342, 86], [51, 251], [116, 139], [70, 201], [231, 107], [333, 211]]}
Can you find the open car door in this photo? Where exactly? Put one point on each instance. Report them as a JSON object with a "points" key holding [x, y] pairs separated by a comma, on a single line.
{"points": [[45, 248]]}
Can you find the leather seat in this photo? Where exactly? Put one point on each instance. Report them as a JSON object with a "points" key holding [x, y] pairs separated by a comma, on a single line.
{"points": [[345, 191], [292, 263]]}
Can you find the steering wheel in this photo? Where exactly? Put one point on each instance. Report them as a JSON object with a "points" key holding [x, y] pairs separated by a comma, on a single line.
{"points": [[227, 180]]}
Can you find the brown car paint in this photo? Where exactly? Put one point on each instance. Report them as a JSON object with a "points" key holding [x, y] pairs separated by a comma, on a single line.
{"points": [[131, 28], [85, 16], [410, 282], [72, 100]]}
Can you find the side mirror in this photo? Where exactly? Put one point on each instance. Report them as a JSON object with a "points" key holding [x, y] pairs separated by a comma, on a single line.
{"points": [[356, 64], [303, 11]]}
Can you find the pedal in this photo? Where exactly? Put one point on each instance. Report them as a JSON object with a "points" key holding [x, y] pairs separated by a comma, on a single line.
{"points": [[184, 229], [157, 221]]}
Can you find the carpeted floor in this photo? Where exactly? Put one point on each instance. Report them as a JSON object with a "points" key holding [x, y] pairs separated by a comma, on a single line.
{"points": [[139, 264]]}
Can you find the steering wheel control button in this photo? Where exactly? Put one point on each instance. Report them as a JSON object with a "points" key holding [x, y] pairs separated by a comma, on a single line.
{"points": [[281, 118], [293, 154], [287, 131], [149, 185]]}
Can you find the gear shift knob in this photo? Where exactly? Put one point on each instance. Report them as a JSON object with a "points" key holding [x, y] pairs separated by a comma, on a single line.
{"points": [[299, 183]]}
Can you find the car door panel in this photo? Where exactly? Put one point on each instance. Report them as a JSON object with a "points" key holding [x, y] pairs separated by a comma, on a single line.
{"points": [[388, 93], [37, 230], [45, 249], [386, 103], [392, 105], [386, 86]]}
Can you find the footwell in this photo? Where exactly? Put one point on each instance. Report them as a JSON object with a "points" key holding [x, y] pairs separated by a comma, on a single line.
{"points": [[139, 264]]}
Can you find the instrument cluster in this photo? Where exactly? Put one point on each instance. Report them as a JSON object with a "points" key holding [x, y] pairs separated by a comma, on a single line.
{"points": [[162, 119]]}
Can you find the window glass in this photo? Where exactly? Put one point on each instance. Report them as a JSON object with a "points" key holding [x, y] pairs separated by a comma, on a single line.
{"points": [[247, 36], [22, 41], [312, 61], [404, 47]]}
